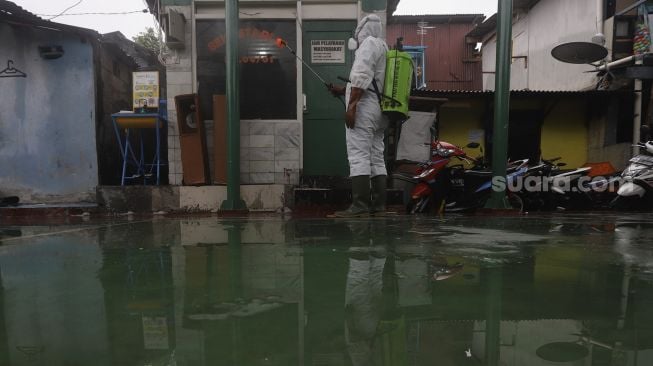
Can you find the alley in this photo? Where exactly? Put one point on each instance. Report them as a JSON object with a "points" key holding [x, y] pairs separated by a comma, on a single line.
{"points": [[463, 290]]}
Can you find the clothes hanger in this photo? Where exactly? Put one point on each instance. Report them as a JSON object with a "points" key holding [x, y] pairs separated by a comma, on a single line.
{"points": [[11, 72]]}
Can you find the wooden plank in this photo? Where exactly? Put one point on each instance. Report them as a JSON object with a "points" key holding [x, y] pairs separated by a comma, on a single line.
{"points": [[194, 159]]}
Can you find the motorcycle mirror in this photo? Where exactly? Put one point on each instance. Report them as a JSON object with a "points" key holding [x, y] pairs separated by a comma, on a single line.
{"points": [[473, 145]]}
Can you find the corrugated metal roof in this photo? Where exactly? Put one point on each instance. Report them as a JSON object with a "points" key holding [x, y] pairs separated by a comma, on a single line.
{"points": [[438, 18], [451, 62], [140, 55], [489, 25], [7, 9], [441, 93], [14, 14], [392, 6]]}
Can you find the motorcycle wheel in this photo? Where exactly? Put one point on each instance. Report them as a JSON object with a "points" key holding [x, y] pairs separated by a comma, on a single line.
{"points": [[417, 205], [621, 203], [516, 202]]}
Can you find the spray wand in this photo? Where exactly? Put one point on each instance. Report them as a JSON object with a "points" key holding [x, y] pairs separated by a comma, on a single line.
{"points": [[281, 43]]}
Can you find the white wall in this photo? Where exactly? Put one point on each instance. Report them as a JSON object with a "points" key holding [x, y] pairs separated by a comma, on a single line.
{"points": [[47, 119], [548, 24]]}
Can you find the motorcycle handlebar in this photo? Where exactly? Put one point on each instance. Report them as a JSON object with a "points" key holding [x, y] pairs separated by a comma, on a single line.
{"points": [[551, 161]]}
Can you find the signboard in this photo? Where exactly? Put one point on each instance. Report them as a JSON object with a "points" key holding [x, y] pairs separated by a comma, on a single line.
{"points": [[146, 89], [328, 51], [155, 332]]}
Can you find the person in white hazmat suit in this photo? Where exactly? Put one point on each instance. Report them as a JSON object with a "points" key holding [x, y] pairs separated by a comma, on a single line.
{"points": [[364, 121]]}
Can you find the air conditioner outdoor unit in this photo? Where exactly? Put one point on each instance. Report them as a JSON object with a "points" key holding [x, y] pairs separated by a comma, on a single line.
{"points": [[175, 29]]}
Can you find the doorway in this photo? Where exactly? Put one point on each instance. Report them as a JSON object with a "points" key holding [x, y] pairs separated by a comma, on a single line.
{"points": [[325, 151]]}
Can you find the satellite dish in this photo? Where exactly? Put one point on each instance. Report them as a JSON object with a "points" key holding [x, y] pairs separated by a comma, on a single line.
{"points": [[579, 52], [562, 352]]}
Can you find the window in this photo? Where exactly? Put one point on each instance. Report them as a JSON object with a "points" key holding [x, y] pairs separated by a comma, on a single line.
{"points": [[268, 78]]}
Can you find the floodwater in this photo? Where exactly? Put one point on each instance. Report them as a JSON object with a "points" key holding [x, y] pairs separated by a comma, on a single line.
{"points": [[514, 291]]}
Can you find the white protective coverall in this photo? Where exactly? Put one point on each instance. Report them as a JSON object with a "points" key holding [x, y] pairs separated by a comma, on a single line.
{"points": [[365, 140]]}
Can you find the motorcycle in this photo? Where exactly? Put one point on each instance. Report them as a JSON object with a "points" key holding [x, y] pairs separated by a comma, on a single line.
{"points": [[636, 181], [470, 188], [440, 187], [558, 190], [567, 192], [428, 189]]}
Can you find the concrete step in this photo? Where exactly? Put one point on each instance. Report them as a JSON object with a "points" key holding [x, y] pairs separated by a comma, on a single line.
{"points": [[336, 197], [47, 209]]}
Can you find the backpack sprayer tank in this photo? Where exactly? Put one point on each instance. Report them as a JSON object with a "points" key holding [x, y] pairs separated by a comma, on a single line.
{"points": [[398, 83]]}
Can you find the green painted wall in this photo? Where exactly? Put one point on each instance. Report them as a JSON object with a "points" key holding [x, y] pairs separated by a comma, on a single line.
{"points": [[176, 2], [372, 5], [325, 150]]}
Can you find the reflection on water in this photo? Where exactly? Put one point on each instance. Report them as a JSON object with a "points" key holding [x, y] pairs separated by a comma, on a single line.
{"points": [[576, 290]]}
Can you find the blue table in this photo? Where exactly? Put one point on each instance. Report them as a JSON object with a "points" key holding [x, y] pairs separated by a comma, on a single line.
{"points": [[139, 167]]}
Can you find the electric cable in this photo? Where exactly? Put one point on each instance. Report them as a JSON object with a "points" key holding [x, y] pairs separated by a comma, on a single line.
{"points": [[94, 13], [65, 10]]}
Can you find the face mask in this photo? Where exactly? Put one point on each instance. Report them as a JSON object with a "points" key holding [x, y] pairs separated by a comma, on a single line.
{"points": [[352, 44]]}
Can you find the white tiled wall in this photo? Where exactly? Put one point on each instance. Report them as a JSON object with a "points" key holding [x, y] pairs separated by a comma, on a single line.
{"points": [[269, 149], [179, 78]]}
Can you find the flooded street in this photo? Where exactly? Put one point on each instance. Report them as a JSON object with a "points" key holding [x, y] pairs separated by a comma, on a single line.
{"points": [[531, 290]]}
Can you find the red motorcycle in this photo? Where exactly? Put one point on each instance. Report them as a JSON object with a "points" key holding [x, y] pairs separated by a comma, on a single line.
{"points": [[440, 186], [430, 189]]}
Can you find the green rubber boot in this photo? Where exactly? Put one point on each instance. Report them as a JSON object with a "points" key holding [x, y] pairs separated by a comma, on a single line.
{"points": [[360, 192], [379, 185]]}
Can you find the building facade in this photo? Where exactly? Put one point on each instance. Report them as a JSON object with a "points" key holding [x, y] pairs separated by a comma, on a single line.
{"points": [[451, 61], [607, 128], [47, 117], [291, 127], [57, 142]]}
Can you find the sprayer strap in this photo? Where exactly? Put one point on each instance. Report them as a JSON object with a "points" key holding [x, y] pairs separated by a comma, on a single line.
{"points": [[377, 91]]}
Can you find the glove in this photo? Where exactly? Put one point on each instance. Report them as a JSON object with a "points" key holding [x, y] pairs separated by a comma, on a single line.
{"points": [[336, 90], [354, 98]]}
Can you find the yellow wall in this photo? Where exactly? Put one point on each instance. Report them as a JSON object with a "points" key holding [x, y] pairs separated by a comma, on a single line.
{"points": [[457, 119], [565, 134], [564, 131]]}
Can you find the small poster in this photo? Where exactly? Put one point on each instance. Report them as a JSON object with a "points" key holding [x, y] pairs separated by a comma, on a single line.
{"points": [[155, 332], [476, 136], [146, 89], [328, 51]]}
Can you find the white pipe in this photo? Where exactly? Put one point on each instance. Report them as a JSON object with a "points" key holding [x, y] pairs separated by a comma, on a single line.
{"points": [[637, 118], [619, 62], [599, 15]]}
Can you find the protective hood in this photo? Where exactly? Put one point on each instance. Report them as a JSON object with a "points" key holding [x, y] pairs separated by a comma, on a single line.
{"points": [[370, 26]]}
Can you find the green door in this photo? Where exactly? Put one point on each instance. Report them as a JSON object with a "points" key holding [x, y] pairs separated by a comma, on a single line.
{"points": [[325, 151]]}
